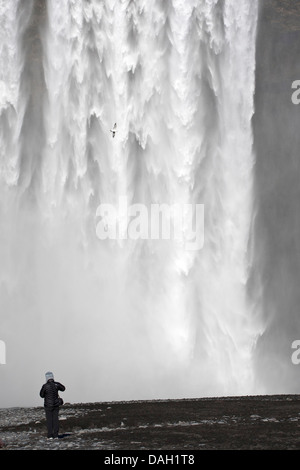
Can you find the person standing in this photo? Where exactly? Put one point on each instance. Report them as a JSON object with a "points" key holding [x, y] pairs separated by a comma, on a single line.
{"points": [[49, 392]]}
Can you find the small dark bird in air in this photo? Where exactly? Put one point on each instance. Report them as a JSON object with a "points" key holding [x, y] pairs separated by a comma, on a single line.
{"points": [[114, 129]]}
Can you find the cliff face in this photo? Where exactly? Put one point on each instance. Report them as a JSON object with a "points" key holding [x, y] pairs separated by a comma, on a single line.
{"points": [[278, 42], [276, 233], [281, 15]]}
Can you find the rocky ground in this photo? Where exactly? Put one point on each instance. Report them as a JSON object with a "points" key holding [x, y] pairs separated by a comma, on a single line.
{"points": [[249, 423]]}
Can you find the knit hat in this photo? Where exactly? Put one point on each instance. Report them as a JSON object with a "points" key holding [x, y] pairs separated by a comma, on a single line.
{"points": [[49, 375]]}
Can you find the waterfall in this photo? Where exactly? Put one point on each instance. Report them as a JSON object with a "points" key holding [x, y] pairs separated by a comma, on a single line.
{"points": [[131, 318]]}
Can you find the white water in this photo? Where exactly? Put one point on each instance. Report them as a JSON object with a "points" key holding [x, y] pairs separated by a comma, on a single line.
{"points": [[137, 319]]}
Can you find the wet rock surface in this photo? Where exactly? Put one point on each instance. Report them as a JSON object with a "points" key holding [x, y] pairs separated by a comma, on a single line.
{"points": [[261, 422]]}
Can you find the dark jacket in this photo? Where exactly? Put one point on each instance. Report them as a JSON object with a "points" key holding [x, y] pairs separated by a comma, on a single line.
{"points": [[49, 392]]}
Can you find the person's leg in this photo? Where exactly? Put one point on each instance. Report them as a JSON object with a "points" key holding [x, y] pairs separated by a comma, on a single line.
{"points": [[49, 418], [55, 421]]}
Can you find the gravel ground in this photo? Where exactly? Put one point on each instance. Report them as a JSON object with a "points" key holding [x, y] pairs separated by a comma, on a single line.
{"points": [[237, 423]]}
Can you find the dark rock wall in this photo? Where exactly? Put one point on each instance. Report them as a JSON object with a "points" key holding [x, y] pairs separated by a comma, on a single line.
{"points": [[276, 235]]}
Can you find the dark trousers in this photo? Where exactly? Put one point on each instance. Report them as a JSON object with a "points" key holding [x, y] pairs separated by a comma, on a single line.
{"points": [[52, 420]]}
